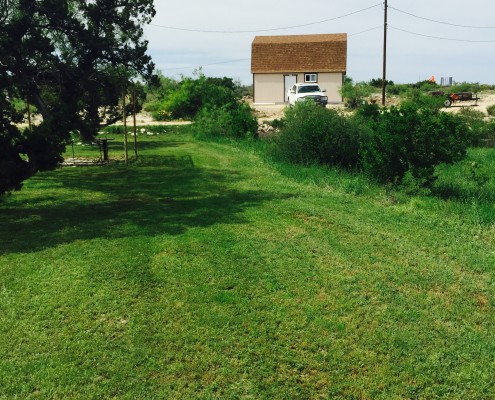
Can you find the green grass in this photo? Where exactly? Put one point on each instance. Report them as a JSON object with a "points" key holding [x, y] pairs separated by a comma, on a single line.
{"points": [[204, 271]]}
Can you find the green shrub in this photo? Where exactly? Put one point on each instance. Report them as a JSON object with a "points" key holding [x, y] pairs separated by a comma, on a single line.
{"points": [[276, 123], [355, 94], [153, 106], [465, 87], [315, 135], [491, 110], [488, 135], [368, 111], [378, 82], [398, 89], [420, 99], [161, 115], [412, 140], [426, 86], [475, 122], [230, 120], [193, 94]]}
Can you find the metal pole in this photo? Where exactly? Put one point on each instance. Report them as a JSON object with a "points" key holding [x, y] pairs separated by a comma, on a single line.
{"points": [[384, 76]]}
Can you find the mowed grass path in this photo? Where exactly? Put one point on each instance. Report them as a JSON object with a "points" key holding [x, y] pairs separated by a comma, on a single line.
{"points": [[201, 272]]}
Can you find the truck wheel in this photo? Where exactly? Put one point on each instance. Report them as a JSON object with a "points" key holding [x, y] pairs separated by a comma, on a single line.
{"points": [[447, 103]]}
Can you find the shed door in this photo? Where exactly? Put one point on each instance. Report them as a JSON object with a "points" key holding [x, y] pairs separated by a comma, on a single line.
{"points": [[289, 81]]}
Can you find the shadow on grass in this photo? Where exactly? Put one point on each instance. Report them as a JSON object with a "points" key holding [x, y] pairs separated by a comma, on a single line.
{"points": [[162, 195], [116, 147], [463, 193]]}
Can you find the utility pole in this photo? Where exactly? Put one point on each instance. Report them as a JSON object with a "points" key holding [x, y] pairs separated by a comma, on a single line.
{"points": [[384, 76]]}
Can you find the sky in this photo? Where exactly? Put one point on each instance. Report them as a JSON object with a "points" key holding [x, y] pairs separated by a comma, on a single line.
{"points": [[441, 38]]}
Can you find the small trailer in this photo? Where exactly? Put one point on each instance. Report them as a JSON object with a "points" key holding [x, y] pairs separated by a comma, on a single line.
{"points": [[454, 98]]}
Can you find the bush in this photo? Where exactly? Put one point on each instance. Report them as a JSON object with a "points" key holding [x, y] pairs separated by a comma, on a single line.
{"points": [[378, 82], [419, 99], [368, 111], [191, 95], [426, 86], [152, 106], [465, 87], [355, 94], [276, 123], [231, 120], [315, 135], [475, 121], [411, 140], [398, 89], [161, 115], [488, 135], [491, 110]]}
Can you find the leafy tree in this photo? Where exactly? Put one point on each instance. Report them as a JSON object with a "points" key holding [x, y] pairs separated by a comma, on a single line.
{"points": [[157, 90], [69, 58]]}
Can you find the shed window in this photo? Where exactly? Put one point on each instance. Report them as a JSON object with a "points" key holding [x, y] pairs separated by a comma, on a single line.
{"points": [[311, 78]]}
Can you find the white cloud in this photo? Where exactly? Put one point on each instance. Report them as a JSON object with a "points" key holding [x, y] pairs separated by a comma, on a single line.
{"points": [[410, 57]]}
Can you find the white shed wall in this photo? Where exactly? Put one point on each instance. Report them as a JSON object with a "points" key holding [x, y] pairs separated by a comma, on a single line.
{"points": [[269, 88], [332, 82]]}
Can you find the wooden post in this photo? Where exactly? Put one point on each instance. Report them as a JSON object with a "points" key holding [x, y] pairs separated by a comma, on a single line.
{"points": [[125, 129], [384, 76], [134, 119]]}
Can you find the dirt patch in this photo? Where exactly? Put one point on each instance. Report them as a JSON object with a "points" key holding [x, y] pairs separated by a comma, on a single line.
{"points": [[82, 162], [269, 112], [144, 118]]}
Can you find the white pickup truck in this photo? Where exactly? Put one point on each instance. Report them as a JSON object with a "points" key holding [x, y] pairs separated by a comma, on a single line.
{"points": [[303, 91]]}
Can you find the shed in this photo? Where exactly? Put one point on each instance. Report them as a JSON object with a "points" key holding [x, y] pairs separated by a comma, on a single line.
{"points": [[277, 62]]}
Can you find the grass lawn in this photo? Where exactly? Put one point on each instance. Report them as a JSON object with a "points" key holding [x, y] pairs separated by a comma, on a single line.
{"points": [[203, 271]]}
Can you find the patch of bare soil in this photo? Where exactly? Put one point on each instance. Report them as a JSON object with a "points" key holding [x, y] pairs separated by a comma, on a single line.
{"points": [[269, 112], [81, 162], [145, 118]]}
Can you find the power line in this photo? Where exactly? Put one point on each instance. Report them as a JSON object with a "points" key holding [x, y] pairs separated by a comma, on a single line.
{"points": [[247, 59], [443, 38], [442, 22], [265, 30], [207, 65], [367, 30]]}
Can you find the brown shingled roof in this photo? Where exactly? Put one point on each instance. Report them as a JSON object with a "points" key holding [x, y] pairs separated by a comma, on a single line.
{"points": [[299, 53]]}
